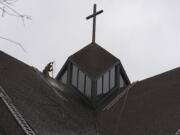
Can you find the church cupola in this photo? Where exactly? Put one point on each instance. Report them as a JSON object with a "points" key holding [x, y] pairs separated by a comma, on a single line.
{"points": [[92, 72]]}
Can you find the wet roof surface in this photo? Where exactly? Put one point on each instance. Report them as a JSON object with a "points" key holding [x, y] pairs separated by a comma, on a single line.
{"points": [[151, 106], [41, 107]]}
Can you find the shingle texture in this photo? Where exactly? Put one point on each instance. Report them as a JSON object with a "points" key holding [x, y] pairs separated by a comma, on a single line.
{"points": [[45, 112], [8, 125], [150, 107]]}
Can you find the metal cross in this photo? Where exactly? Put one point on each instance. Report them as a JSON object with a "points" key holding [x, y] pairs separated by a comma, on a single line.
{"points": [[94, 21]]}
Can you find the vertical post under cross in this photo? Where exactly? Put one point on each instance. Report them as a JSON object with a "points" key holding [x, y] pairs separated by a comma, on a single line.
{"points": [[94, 22], [94, 25]]}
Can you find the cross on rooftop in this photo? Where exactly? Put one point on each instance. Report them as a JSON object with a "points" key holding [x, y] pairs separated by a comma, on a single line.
{"points": [[94, 21]]}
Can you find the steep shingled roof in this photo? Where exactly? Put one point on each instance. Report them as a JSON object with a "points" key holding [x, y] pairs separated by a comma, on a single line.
{"points": [[40, 106], [151, 106]]}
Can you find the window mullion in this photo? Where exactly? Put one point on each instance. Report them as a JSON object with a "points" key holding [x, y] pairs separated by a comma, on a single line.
{"points": [[109, 80], [77, 77], [103, 84], [84, 84]]}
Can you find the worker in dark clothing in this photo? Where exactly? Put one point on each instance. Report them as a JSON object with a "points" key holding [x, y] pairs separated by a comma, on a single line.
{"points": [[47, 69]]}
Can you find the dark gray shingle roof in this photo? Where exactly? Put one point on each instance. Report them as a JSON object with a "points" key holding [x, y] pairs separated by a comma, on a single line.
{"points": [[41, 107], [94, 60], [150, 107]]}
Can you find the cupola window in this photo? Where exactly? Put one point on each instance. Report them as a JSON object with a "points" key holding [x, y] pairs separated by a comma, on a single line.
{"points": [[88, 87], [64, 77], [99, 86], [93, 73], [122, 83], [112, 78], [81, 81], [74, 76], [106, 82]]}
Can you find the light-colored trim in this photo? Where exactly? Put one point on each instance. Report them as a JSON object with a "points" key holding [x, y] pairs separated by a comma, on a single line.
{"points": [[14, 111], [118, 97], [49, 84], [178, 132]]}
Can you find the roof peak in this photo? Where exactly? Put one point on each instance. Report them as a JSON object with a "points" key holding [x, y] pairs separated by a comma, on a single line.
{"points": [[94, 60]]}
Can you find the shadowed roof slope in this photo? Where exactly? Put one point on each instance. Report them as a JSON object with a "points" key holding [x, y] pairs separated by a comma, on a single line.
{"points": [[151, 107], [94, 60], [39, 104]]}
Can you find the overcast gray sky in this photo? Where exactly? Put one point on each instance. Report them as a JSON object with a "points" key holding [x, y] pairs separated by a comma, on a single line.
{"points": [[143, 34]]}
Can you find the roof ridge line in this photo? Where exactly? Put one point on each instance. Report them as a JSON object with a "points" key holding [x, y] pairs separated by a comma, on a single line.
{"points": [[49, 85], [118, 97], [178, 132]]}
